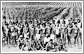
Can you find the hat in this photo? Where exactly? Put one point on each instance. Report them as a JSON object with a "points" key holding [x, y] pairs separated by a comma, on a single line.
{"points": [[51, 39], [21, 36], [75, 22], [47, 34], [58, 21]]}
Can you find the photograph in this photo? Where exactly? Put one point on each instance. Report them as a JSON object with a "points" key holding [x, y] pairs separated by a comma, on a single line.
{"points": [[41, 26]]}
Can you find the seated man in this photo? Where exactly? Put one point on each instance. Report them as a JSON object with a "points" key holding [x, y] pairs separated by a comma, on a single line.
{"points": [[21, 42], [61, 46], [50, 45]]}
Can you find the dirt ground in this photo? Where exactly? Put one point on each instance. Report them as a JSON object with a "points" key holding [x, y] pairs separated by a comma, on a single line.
{"points": [[17, 50]]}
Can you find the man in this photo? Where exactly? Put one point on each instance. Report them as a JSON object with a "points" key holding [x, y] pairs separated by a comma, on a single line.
{"points": [[5, 32], [47, 28], [75, 31], [77, 35], [61, 46], [69, 28], [50, 45], [21, 42], [31, 30], [37, 37], [57, 32], [62, 29], [14, 34]]}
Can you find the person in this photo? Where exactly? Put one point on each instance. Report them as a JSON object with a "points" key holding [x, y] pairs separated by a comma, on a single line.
{"points": [[46, 39], [31, 30], [50, 45], [69, 28], [79, 25], [14, 34], [77, 37], [52, 35], [57, 32], [47, 29], [25, 32], [21, 42], [61, 46], [53, 25], [4, 37], [37, 33], [62, 30]]}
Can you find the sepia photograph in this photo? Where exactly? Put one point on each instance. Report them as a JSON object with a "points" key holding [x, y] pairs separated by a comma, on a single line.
{"points": [[41, 26]]}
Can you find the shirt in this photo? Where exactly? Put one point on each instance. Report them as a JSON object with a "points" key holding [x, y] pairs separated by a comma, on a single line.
{"points": [[79, 25], [37, 36], [57, 30], [52, 36]]}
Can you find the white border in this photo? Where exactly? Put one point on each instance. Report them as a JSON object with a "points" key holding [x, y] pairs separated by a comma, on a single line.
{"points": [[40, 1]]}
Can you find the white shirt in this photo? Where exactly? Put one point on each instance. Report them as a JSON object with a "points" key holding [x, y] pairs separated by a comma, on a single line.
{"points": [[46, 39], [43, 29], [37, 36], [56, 21], [25, 35], [79, 25], [57, 30], [6, 29], [37, 29], [12, 28], [52, 36], [30, 26], [67, 22]]}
